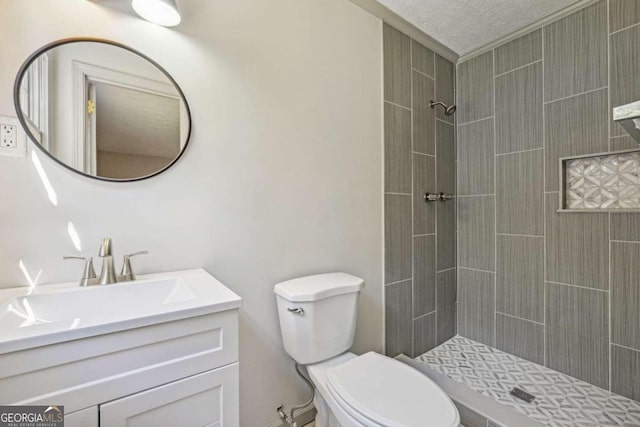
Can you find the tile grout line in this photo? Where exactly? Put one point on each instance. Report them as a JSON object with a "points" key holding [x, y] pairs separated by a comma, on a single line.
{"points": [[425, 315], [476, 269], [398, 282], [384, 208], [420, 72], [435, 225], [520, 318], [517, 68], [544, 209], [624, 29], [475, 121], [609, 214], [444, 121], [625, 347], [434, 67], [564, 98], [609, 301], [518, 152], [455, 201], [608, 74], [495, 205], [520, 235], [577, 286], [397, 105], [457, 213], [422, 154], [397, 194], [413, 281]]}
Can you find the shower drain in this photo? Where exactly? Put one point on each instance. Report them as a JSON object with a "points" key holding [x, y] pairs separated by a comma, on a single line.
{"points": [[522, 395]]}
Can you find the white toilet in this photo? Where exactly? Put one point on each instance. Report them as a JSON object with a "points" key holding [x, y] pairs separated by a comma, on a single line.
{"points": [[318, 321]]}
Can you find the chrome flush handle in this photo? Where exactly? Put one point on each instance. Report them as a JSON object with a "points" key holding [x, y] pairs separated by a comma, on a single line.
{"points": [[296, 310]]}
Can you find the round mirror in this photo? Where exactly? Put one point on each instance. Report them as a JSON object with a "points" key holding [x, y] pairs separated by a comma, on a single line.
{"points": [[102, 109]]}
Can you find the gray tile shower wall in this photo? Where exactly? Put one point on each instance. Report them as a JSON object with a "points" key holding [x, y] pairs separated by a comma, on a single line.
{"points": [[624, 66], [420, 237], [476, 305], [575, 53], [559, 289]]}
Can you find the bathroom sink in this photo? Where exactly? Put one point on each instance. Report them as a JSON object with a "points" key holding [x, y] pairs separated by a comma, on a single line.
{"points": [[46, 314]]}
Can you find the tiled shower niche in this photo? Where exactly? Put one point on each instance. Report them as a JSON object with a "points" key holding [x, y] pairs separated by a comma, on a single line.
{"points": [[606, 182]]}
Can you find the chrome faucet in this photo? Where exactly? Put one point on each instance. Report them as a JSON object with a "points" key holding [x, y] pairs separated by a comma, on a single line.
{"points": [[108, 272]]}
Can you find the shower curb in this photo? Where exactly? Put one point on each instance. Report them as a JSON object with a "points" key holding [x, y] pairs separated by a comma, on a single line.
{"points": [[485, 411]]}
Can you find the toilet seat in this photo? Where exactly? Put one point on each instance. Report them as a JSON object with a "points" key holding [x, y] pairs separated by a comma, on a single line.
{"points": [[379, 391], [354, 414]]}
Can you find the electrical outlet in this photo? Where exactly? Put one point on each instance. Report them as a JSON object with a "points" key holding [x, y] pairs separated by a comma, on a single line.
{"points": [[13, 140], [8, 136]]}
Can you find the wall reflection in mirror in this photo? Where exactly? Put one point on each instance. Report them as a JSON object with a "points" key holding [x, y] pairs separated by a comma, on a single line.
{"points": [[102, 110]]}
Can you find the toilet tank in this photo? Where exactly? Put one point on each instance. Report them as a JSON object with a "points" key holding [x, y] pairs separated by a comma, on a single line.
{"points": [[318, 315]]}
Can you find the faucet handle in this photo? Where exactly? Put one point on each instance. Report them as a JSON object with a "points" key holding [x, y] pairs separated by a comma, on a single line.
{"points": [[127, 273], [137, 253], [88, 273]]}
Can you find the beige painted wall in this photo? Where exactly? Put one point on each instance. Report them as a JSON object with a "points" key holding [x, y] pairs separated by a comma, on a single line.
{"points": [[282, 178]]}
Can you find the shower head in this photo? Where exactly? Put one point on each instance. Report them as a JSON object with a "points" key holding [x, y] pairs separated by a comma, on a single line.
{"points": [[448, 109]]}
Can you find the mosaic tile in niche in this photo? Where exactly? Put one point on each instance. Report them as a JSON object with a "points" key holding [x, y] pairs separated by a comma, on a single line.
{"points": [[603, 182]]}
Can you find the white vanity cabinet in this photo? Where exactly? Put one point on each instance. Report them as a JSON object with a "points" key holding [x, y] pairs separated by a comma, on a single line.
{"points": [[207, 399], [169, 370], [87, 417]]}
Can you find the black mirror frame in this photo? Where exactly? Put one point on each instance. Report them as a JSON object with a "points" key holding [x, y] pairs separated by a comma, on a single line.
{"points": [[47, 47]]}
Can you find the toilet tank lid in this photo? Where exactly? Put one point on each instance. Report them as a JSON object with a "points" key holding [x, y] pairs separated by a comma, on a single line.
{"points": [[319, 286]]}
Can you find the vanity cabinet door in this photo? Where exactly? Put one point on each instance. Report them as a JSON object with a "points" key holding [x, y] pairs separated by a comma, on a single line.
{"points": [[207, 399], [87, 417]]}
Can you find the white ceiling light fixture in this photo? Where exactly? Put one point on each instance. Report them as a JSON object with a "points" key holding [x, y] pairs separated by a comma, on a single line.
{"points": [[161, 12]]}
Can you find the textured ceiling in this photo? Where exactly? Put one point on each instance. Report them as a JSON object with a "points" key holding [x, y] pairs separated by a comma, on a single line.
{"points": [[465, 25]]}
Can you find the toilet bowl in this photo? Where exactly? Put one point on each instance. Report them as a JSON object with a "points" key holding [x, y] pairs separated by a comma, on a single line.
{"points": [[317, 320]]}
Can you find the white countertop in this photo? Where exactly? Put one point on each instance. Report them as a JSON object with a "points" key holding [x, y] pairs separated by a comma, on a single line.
{"points": [[48, 314]]}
